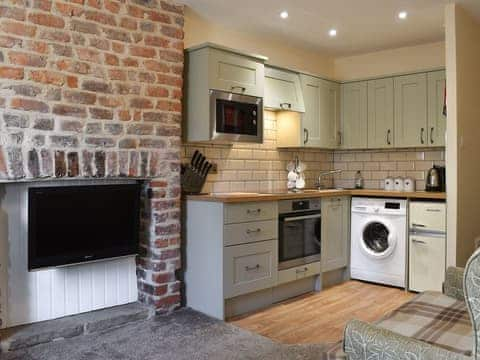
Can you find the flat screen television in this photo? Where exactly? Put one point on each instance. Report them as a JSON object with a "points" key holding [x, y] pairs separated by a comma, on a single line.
{"points": [[75, 224]]}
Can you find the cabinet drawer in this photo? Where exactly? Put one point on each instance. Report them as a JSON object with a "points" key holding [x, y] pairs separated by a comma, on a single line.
{"points": [[428, 216], [236, 234], [249, 267], [253, 211], [298, 272]]}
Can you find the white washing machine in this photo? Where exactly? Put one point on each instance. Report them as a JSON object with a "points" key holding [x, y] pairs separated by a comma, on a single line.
{"points": [[378, 240]]}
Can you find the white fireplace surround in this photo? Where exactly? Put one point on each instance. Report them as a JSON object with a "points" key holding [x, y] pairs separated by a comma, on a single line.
{"points": [[27, 297]]}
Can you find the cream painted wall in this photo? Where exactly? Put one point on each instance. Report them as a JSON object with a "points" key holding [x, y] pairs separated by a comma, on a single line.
{"points": [[463, 130], [280, 52], [451, 142], [286, 54], [388, 62]]}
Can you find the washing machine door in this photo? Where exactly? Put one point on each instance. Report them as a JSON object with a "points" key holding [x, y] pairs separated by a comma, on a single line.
{"points": [[378, 239]]}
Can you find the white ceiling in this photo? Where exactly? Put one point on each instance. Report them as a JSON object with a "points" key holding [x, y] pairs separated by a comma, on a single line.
{"points": [[362, 25]]}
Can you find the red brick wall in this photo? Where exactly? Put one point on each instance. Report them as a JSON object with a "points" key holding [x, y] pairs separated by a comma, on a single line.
{"points": [[92, 88]]}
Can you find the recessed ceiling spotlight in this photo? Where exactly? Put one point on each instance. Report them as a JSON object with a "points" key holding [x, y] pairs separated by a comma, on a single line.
{"points": [[402, 15], [332, 32], [284, 14]]}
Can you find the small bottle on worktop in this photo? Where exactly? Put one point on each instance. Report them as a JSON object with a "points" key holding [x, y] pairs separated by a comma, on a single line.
{"points": [[358, 180]]}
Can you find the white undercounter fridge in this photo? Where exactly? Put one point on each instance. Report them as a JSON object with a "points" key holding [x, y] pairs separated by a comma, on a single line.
{"points": [[427, 245]]}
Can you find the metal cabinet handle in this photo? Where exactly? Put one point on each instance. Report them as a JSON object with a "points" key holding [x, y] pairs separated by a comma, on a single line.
{"points": [[431, 136], [254, 211], [418, 225], [285, 105], [422, 140], [251, 231], [305, 136], [301, 271], [418, 241], [388, 137], [252, 268], [340, 138], [304, 217], [242, 89], [433, 210]]}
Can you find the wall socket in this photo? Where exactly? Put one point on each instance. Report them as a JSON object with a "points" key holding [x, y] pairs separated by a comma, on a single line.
{"points": [[214, 169]]}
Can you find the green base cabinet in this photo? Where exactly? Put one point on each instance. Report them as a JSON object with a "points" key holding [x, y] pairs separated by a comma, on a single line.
{"points": [[335, 233]]}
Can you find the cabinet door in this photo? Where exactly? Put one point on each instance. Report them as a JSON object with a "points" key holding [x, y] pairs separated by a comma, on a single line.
{"points": [[411, 110], [329, 114], [235, 73], [322, 112], [354, 116], [437, 122], [283, 90], [311, 118], [335, 231], [380, 114], [427, 263]]}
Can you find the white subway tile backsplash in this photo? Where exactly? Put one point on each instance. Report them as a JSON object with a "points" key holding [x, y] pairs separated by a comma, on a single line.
{"points": [[388, 166], [405, 165], [371, 166], [380, 156], [363, 156], [262, 167]]}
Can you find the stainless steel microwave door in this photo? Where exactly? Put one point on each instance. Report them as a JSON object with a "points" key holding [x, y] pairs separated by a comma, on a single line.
{"points": [[235, 117]]}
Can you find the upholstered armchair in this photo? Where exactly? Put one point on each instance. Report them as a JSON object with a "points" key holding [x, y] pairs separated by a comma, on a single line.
{"points": [[366, 341]]}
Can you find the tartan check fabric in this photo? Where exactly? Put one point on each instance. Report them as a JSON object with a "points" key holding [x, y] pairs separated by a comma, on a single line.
{"points": [[431, 317]]}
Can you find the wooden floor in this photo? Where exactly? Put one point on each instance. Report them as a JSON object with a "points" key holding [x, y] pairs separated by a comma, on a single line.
{"points": [[321, 317]]}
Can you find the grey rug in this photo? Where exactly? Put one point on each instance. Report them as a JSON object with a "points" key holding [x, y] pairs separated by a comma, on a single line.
{"points": [[184, 334]]}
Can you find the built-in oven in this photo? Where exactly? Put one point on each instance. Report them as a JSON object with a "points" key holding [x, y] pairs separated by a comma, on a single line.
{"points": [[300, 225], [235, 117]]}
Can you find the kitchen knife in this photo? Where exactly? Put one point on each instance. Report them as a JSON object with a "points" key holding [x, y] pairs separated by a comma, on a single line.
{"points": [[197, 161], [200, 164], [208, 169], [204, 167], [194, 158]]}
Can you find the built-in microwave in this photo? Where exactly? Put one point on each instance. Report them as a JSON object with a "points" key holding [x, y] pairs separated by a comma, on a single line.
{"points": [[235, 117]]}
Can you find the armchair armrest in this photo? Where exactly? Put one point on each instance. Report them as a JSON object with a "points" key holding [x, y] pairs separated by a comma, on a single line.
{"points": [[453, 285], [365, 341]]}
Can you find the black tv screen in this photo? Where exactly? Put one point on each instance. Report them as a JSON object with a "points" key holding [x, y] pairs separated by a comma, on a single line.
{"points": [[75, 224]]}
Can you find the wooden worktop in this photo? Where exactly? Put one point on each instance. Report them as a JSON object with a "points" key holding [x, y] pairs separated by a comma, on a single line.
{"points": [[239, 197]]}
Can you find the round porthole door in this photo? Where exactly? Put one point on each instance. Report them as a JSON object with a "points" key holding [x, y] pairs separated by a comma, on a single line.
{"points": [[378, 239]]}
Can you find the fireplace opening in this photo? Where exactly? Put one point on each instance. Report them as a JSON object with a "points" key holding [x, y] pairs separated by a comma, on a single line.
{"points": [[77, 224]]}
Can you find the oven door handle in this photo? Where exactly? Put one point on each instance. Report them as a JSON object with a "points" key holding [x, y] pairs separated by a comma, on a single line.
{"points": [[296, 218]]}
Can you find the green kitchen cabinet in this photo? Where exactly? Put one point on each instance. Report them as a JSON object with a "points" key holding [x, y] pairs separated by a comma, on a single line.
{"points": [[437, 121], [335, 233], [354, 117], [283, 90], [411, 111], [321, 121], [380, 114]]}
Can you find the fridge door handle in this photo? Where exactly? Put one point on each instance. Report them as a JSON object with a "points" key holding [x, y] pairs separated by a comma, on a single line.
{"points": [[416, 241]]}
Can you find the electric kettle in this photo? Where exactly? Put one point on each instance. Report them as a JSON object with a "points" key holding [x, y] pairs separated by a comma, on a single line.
{"points": [[434, 181]]}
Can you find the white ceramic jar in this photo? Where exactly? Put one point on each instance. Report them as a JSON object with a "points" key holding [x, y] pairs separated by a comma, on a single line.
{"points": [[409, 185], [388, 184], [398, 184]]}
